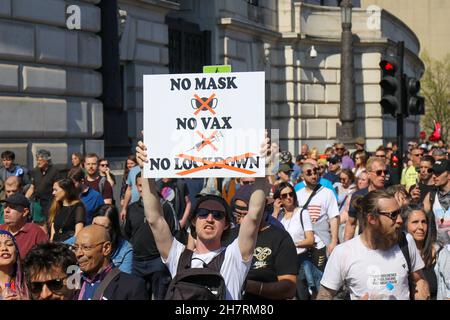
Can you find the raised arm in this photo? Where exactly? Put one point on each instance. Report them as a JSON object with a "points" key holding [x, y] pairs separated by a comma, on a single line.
{"points": [[250, 224], [153, 209]]}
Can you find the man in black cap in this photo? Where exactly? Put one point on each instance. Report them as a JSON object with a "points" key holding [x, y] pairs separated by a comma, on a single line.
{"points": [[210, 219], [438, 202], [16, 210], [43, 176]]}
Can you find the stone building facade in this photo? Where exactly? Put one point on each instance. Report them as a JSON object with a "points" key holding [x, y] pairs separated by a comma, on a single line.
{"points": [[51, 88]]}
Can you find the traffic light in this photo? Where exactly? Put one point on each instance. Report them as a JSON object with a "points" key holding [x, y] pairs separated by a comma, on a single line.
{"points": [[391, 85], [415, 104]]}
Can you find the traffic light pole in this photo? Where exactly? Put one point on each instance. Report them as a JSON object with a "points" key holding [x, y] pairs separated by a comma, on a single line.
{"points": [[400, 116]]}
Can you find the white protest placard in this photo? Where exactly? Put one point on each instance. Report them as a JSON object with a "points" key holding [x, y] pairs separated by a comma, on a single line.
{"points": [[204, 125]]}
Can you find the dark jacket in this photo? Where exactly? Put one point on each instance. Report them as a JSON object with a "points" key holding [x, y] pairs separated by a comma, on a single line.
{"points": [[126, 287]]}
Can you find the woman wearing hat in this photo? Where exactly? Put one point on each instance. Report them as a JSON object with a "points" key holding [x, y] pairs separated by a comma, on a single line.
{"points": [[12, 283]]}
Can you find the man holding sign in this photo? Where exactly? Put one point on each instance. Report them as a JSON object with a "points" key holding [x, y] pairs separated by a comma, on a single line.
{"points": [[210, 219], [204, 125]]}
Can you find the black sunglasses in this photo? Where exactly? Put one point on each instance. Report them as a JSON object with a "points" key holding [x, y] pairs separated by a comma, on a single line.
{"points": [[310, 172], [204, 213], [285, 195], [380, 172], [54, 285], [104, 165], [391, 215], [429, 170], [247, 182]]}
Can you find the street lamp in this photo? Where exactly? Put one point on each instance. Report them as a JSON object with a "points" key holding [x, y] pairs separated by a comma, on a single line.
{"points": [[347, 113]]}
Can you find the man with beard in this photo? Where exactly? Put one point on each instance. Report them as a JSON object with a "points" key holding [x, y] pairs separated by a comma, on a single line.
{"points": [[376, 169], [373, 262]]}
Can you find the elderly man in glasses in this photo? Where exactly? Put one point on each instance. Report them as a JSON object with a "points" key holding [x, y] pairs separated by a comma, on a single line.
{"points": [[380, 264], [100, 279], [51, 272], [376, 169]]}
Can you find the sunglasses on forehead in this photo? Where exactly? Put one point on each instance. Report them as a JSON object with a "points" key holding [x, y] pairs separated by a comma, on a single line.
{"points": [[54, 285], [204, 213]]}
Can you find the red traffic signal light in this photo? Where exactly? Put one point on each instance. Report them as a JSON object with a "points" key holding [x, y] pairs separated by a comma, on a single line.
{"points": [[391, 84], [388, 66]]}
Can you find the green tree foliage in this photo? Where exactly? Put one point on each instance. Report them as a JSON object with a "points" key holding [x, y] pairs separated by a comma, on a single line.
{"points": [[435, 85]]}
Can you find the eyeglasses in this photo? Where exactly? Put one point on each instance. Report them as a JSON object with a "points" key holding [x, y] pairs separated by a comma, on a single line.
{"points": [[104, 165], [380, 172], [85, 248], [247, 182], [428, 170], [285, 195], [417, 154], [339, 148], [310, 172], [391, 215], [204, 213], [53, 285], [380, 155]]}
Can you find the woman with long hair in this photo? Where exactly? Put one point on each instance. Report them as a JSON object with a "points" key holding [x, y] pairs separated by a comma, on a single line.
{"points": [[297, 223], [107, 216], [77, 160], [360, 163], [67, 215], [12, 283], [129, 163], [417, 223]]}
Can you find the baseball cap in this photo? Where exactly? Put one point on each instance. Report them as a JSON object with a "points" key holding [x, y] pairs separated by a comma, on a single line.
{"points": [[334, 160], [360, 141], [285, 157], [17, 199], [423, 146], [441, 166], [284, 168]]}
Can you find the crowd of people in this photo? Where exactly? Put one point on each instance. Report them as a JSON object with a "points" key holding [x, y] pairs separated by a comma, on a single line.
{"points": [[322, 225]]}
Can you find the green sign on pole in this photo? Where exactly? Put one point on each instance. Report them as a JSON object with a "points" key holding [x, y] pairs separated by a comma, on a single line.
{"points": [[217, 69]]}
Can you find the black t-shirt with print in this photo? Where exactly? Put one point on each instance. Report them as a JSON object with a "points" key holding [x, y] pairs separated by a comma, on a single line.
{"points": [[274, 255]]}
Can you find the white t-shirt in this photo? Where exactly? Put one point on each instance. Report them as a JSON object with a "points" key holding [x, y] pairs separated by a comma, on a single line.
{"points": [[323, 206], [294, 227], [234, 269], [367, 271]]}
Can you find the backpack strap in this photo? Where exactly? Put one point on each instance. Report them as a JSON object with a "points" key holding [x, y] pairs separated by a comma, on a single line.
{"points": [[403, 244], [217, 261], [305, 206], [185, 260], [105, 283], [186, 257]]}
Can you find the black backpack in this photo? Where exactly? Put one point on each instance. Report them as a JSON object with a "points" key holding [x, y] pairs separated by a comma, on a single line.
{"points": [[197, 283]]}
